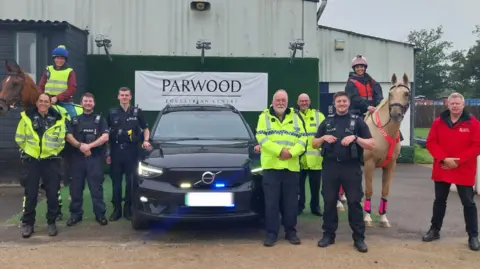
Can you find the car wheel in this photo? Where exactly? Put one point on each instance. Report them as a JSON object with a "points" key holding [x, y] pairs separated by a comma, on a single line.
{"points": [[138, 223]]}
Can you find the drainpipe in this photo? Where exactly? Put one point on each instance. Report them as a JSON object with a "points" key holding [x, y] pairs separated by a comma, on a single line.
{"points": [[321, 9]]}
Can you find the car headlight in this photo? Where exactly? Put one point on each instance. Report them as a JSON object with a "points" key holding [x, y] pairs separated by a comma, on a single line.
{"points": [[148, 171], [256, 171]]}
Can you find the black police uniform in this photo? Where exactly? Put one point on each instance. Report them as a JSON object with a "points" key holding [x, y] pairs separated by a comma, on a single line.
{"points": [[341, 165], [126, 132], [86, 128], [47, 169]]}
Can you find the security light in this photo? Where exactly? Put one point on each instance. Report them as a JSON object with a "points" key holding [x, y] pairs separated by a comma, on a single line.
{"points": [[203, 45], [200, 5], [294, 46]]}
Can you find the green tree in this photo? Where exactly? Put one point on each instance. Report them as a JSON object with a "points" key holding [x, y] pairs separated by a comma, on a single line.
{"points": [[431, 62]]}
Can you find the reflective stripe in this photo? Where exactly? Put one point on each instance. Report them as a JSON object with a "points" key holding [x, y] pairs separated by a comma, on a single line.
{"points": [[317, 118], [263, 140], [316, 153], [267, 122], [58, 82]]}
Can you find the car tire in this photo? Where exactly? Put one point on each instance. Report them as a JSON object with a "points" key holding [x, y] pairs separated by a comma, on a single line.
{"points": [[138, 223]]}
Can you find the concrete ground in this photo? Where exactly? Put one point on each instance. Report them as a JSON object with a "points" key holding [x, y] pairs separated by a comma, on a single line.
{"points": [[239, 245]]}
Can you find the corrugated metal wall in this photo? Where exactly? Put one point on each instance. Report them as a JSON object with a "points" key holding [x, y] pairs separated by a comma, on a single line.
{"points": [[254, 28], [384, 58]]}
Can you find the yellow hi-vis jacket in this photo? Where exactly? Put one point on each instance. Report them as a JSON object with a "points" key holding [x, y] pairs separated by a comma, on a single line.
{"points": [[312, 159], [57, 82], [51, 143], [273, 136]]}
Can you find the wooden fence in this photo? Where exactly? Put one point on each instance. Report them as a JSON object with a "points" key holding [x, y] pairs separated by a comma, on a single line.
{"points": [[426, 114]]}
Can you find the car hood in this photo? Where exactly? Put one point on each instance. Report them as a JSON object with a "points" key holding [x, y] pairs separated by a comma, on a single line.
{"points": [[201, 154]]}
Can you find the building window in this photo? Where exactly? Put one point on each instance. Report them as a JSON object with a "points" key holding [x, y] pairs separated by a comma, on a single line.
{"points": [[26, 56]]}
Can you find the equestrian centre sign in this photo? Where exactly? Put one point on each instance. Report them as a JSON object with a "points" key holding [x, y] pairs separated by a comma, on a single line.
{"points": [[245, 91]]}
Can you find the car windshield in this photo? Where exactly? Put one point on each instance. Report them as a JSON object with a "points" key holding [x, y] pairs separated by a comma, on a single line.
{"points": [[180, 125]]}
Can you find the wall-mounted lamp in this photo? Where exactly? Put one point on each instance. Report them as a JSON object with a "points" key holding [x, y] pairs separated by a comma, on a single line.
{"points": [[103, 41], [203, 45], [200, 5], [295, 45], [339, 44]]}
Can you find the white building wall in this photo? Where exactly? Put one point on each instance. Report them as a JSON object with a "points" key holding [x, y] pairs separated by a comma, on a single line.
{"points": [[384, 58], [254, 28]]}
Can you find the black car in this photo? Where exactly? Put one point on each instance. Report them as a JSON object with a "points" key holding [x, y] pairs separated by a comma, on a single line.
{"points": [[202, 167]]}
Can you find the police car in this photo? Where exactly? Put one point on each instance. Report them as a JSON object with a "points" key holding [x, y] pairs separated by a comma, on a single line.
{"points": [[202, 167]]}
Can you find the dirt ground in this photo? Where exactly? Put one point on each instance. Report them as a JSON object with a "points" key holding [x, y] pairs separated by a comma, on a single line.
{"points": [[228, 245]]}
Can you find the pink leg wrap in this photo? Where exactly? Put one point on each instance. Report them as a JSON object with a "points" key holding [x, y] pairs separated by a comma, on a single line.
{"points": [[383, 206], [340, 192], [367, 206]]}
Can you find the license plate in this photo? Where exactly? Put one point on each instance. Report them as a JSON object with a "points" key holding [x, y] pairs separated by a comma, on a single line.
{"points": [[209, 199]]}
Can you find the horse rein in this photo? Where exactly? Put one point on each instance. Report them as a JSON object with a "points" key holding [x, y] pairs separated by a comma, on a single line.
{"points": [[391, 105]]}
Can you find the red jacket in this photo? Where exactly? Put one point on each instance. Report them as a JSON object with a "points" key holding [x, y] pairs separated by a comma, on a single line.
{"points": [[65, 96], [462, 140]]}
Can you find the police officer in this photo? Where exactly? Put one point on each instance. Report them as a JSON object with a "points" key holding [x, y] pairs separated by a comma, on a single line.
{"points": [[87, 133], [282, 139], [311, 160], [343, 136], [127, 128], [41, 136]]}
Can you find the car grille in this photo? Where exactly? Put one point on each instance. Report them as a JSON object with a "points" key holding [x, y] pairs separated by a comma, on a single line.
{"points": [[227, 178]]}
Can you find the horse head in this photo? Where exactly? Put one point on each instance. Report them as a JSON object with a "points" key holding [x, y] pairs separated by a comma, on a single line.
{"points": [[18, 88], [399, 98]]}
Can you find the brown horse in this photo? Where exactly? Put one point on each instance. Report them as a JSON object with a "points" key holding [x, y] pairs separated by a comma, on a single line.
{"points": [[384, 124]]}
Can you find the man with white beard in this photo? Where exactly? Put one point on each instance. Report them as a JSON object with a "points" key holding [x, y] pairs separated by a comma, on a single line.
{"points": [[282, 139]]}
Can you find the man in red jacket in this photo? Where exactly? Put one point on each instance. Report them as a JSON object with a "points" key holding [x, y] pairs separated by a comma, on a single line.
{"points": [[454, 142]]}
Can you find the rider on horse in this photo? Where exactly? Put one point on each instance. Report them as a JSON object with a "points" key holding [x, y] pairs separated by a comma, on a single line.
{"points": [[365, 93], [59, 81]]}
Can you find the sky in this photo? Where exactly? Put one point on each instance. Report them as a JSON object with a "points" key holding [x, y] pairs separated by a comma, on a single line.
{"points": [[394, 19]]}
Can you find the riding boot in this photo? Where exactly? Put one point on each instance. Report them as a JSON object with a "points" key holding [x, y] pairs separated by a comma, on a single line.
{"points": [[27, 231], [117, 213], [127, 211]]}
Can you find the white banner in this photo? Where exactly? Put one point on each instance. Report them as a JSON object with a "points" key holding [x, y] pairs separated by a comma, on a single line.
{"points": [[246, 91]]}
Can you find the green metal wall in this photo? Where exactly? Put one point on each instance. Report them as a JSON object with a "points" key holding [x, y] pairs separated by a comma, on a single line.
{"points": [[104, 77]]}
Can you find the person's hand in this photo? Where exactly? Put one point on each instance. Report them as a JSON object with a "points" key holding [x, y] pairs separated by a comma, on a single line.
{"points": [[329, 139], [54, 100], [108, 159], [84, 148], [450, 163], [147, 146], [348, 140], [371, 109], [257, 148], [285, 154], [88, 153]]}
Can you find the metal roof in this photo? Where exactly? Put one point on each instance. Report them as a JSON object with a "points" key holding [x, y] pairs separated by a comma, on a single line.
{"points": [[365, 36], [40, 23]]}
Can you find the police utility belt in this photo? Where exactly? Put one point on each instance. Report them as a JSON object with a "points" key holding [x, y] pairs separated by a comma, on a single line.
{"points": [[124, 137], [338, 152], [86, 132]]}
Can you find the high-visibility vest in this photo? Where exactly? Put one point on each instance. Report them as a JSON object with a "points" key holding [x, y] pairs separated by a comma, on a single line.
{"points": [[312, 158], [57, 82], [364, 91], [273, 136], [52, 142], [63, 111]]}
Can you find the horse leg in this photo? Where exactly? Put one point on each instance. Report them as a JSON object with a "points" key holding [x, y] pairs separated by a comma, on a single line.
{"points": [[386, 179], [341, 193], [369, 168], [340, 206]]}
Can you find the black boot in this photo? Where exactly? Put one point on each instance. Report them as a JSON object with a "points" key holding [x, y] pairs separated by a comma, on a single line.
{"points": [[27, 231], [360, 246], [52, 229], [117, 213], [431, 235], [59, 216], [270, 240], [326, 241], [473, 243], [293, 238], [127, 211], [72, 221], [316, 211]]}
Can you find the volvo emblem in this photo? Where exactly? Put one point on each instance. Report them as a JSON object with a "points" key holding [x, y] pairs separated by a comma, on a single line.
{"points": [[208, 177]]}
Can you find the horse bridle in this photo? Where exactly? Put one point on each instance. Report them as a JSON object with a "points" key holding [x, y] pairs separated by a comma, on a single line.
{"points": [[17, 100], [391, 105]]}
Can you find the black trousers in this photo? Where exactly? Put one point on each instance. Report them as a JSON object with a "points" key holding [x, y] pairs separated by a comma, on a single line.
{"points": [[315, 181], [87, 169], [124, 162], [49, 171], [349, 175], [280, 185], [467, 196]]}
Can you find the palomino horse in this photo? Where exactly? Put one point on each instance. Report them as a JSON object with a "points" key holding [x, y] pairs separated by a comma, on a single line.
{"points": [[384, 125], [19, 89]]}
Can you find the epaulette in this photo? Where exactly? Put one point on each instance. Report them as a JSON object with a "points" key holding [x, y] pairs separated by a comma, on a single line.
{"points": [[353, 116], [97, 119], [331, 116]]}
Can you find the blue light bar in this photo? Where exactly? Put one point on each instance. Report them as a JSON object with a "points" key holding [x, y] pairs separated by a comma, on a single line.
{"points": [[219, 185]]}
